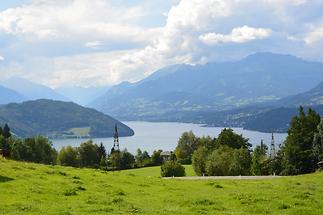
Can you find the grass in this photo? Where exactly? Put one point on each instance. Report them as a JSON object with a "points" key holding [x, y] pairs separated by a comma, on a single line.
{"points": [[27, 188], [80, 132]]}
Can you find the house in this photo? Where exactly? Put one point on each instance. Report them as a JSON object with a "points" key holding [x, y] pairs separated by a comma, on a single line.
{"points": [[166, 155]]}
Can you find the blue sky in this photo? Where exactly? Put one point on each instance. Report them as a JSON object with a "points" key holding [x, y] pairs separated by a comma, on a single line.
{"points": [[91, 43]]}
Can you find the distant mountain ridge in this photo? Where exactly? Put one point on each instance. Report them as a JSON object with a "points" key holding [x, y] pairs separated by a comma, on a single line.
{"points": [[8, 95], [59, 119], [82, 95], [258, 78], [31, 90]]}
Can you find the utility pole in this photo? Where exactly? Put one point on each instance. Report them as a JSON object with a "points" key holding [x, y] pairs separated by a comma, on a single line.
{"points": [[272, 147], [116, 139]]}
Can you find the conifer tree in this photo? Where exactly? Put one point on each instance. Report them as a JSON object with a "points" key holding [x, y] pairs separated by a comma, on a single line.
{"points": [[6, 131], [298, 148], [318, 143]]}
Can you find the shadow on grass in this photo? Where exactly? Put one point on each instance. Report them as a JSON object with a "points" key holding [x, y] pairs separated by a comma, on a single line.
{"points": [[5, 179]]}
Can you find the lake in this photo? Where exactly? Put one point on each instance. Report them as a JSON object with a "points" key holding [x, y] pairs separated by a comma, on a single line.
{"points": [[152, 136]]}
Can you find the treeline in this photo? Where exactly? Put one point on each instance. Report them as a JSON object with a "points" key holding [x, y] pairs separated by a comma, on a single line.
{"points": [[89, 154], [231, 154], [228, 154], [40, 150]]}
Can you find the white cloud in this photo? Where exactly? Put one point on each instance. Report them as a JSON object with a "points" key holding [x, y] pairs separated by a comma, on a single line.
{"points": [[238, 35], [189, 25], [1, 58], [94, 44], [314, 36], [74, 19]]}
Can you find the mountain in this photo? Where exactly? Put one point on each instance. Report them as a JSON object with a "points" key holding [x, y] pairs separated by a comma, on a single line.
{"points": [[256, 118], [309, 98], [59, 119], [31, 90], [82, 95], [7, 96], [182, 89], [275, 120]]}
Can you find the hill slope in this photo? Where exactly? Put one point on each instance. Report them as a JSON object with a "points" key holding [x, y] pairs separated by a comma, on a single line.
{"points": [[7, 96], [38, 189], [215, 86], [309, 98], [58, 119]]}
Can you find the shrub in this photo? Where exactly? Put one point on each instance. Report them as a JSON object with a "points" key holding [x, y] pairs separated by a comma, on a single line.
{"points": [[172, 169]]}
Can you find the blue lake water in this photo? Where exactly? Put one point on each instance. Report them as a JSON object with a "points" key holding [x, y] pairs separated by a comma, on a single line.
{"points": [[152, 136]]}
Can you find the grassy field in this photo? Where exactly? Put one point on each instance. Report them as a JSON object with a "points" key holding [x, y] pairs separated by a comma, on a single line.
{"points": [[80, 132], [27, 188]]}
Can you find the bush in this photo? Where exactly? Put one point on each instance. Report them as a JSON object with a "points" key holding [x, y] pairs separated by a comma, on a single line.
{"points": [[172, 169]]}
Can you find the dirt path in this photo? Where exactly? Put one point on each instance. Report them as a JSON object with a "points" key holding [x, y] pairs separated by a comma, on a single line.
{"points": [[225, 177]]}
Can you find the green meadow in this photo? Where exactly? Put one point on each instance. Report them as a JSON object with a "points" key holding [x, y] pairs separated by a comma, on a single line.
{"points": [[27, 188]]}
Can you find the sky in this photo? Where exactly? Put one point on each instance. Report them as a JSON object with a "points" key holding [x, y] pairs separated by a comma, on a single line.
{"points": [[105, 42]]}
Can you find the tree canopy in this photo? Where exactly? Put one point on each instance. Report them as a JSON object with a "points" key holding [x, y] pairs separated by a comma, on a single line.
{"points": [[298, 148]]}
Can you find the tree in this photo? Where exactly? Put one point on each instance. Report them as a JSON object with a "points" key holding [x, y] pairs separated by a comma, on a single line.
{"points": [[1, 131], [89, 156], [318, 143], [69, 156], [259, 157], [38, 150], [142, 158], [156, 159], [199, 160], [298, 149], [6, 131], [115, 159], [219, 161], [172, 169], [138, 157], [127, 160], [228, 161], [208, 142], [241, 162], [187, 144], [102, 154], [4, 144], [228, 138]]}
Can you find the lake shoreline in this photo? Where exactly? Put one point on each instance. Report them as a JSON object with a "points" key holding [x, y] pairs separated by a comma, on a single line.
{"points": [[152, 136]]}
